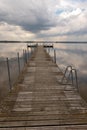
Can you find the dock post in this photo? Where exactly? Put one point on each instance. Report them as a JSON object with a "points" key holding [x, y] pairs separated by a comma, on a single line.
{"points": [[28, 53], [25, 56], [54, 55], [18, 62], [76, 79], [9, 76], [72, 75]]}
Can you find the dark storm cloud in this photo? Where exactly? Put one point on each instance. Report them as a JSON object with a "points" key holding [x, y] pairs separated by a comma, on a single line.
{"points": [[32, 16], [40, 24]]}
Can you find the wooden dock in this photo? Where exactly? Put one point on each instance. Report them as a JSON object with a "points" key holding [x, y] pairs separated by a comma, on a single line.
{"points": [[40, 102]]}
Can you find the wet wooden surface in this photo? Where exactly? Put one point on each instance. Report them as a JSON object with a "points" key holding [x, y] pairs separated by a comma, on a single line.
{"points": [[40, 102]]}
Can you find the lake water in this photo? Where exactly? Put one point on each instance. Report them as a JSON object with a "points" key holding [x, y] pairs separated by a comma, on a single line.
{"points": [[75, 55], [66, 54], [11, 49]]}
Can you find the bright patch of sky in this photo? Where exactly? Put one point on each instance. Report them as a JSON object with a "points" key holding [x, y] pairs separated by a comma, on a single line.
{"points": [[59, 11]]}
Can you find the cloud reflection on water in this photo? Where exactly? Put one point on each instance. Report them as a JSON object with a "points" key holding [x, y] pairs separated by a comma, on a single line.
{"points": [[67, 54], [10, 49], [75, 55]]}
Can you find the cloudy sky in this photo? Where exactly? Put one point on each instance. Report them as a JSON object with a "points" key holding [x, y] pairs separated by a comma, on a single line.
{"points": [[43, 20]]}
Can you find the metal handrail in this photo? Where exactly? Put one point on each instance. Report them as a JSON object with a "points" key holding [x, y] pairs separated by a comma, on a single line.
{"points": [[54, 55], [66, 72], [76, 77], [72, 73]]}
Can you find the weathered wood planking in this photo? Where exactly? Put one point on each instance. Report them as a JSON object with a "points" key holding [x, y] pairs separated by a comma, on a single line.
{"points": [[40, 102]]}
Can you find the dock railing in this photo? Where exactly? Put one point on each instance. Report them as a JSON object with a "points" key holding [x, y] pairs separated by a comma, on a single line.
{"points": [[10, 70]]}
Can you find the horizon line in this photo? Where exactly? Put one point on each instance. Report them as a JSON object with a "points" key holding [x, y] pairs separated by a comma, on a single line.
{"points": [[38, 41]]}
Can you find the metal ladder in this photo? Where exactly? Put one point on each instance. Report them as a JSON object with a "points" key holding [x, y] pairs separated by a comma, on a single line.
{"points": [[72, 74]]}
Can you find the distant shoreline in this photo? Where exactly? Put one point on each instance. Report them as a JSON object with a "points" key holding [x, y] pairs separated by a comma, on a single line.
{"points": [[5, 41]]}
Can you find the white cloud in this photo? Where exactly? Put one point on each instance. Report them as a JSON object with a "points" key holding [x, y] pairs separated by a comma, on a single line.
{"points": [[41, 19], [11, 32], [68, 14]]}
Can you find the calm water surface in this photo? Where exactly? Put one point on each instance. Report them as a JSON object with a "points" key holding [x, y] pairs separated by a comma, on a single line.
{"points": [[11, 49], [75, 55], [67, 54]]}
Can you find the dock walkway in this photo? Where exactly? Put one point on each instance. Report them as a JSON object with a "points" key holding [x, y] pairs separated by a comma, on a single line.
{"points": [[40, 102]]}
